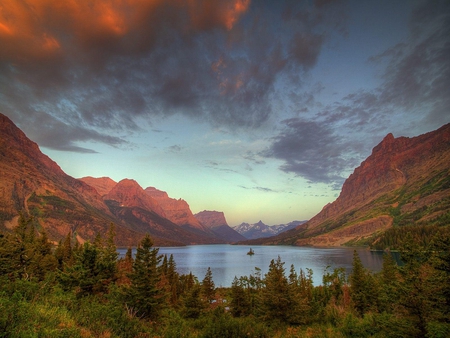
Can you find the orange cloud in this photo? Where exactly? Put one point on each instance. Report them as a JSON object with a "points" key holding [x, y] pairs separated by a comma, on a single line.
{"points": [[211, 13], [31, 28]]}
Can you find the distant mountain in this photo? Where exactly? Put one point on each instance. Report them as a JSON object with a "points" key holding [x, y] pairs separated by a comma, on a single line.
{"points": [[261, 230], [35, 186], [405, 181], [216, 221]]}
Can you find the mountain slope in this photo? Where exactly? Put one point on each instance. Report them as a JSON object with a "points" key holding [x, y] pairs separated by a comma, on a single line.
{"points": [[33, 184], [404, 181], [216, 221]]}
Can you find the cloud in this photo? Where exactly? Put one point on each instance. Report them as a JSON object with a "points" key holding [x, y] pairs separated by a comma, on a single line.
{"points": [[175, 148], [414, 89], [310, 150], [102, 65], [51, 133], [263, 189]]}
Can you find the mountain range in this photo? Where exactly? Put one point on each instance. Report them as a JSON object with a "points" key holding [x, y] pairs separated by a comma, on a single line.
{"points": [[405, 181], [261, 230], [35, 187]]}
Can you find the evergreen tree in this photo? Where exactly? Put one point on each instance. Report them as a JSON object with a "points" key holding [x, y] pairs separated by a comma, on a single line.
{"points": [[363, 287], [94, 267], [144, 294], [389, 279], [208, 287], [173, 278], [275, 302], [415, 291], [24, 254], [240, 303], [193, 305], [124, 268]]}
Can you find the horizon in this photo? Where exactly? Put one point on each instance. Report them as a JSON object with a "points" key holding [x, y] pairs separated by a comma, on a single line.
{"points": [[257, 109]]}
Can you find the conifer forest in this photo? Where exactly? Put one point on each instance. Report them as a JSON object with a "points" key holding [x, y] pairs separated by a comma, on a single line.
{"points": [[85, 290]]}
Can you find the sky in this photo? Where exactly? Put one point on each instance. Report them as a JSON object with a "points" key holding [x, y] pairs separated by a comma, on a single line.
{"points": [[260, 109]]}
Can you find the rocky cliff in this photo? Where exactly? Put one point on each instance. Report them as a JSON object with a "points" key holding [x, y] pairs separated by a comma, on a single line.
{"points": [[176, 210], [103, 185], [215, 220], [33, 185], [404, 181], [128, 193]]}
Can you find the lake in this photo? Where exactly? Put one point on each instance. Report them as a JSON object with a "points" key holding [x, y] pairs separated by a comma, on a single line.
{"points": [[228, 261]]}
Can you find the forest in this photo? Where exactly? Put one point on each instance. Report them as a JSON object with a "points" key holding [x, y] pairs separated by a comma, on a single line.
{"points": [[86, 290]]}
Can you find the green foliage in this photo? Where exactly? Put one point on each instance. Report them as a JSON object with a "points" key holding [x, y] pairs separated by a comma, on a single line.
{"points": [[25, 254], [363, 288], [222, 325], [208, 287], [87, 292], [146, 296]]}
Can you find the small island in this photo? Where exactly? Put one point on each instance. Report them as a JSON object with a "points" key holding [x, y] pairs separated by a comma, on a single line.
{"points": [[250, 252]]}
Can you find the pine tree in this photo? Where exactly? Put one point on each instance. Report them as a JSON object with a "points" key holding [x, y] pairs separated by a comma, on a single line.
{"points": [[240, 304], [208, 287], [358, 285], [125, 267], [145, 296], [389, 280], [275, 302], [24, 254], [173, 278], [193, 306]]}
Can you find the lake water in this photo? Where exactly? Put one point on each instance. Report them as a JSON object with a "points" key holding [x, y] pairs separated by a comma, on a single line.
{"points": [[228, 261]]}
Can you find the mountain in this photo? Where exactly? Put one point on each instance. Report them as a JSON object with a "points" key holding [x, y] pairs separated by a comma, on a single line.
{"points": [[103, 185], [261, 230], [35, 186], [404, 181], [176, 210], [32, 184], [216, 221]]}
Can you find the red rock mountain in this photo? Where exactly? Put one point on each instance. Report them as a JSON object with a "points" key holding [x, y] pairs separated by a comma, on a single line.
{"points": [[128, 193], [211, 219], [404, 181], [215, 220], [103, 185], [34, 185], [176, 210], [31, 183]]}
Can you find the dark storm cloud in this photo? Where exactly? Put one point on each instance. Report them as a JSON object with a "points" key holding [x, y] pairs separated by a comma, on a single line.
{"points": [[414, 96], [310, 150], [51, 133], [97, 66]]}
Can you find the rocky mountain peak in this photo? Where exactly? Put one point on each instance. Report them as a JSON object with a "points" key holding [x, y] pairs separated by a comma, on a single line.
{"points": [[176, 210], [130, 194], [401, 176], [103, 185], [211, 219]]}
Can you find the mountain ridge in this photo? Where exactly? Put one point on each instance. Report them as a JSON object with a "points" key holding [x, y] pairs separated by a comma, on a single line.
{"points": [[35, 187], [404, 181]]}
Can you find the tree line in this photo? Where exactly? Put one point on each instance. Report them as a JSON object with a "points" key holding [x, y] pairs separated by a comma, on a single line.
{"points": [[85, 290]]}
